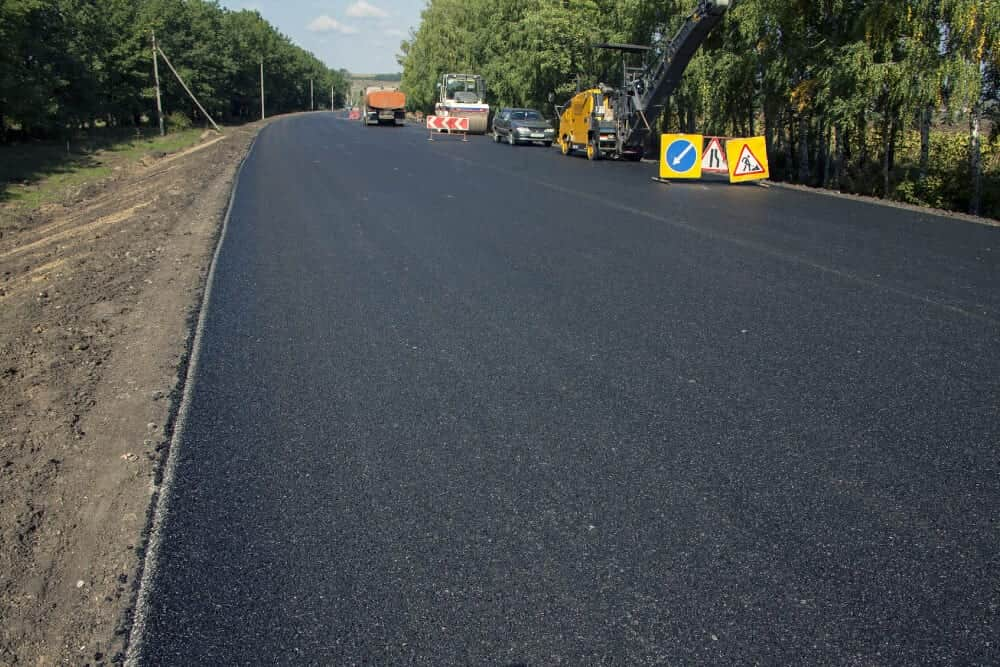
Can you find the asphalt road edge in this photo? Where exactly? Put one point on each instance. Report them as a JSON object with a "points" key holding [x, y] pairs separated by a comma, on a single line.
{"points": [[878, 201], [161, 497]]}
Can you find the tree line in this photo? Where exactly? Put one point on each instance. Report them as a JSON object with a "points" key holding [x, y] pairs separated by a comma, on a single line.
{"points": [[895, 98], [67, 64]]}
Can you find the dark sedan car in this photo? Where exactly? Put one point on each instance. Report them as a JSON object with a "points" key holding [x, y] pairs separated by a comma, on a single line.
{"points": [[522, 126]]}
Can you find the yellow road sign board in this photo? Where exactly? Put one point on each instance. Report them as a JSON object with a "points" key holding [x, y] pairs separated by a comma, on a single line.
{"points": [[680, 155], [747, 159]]}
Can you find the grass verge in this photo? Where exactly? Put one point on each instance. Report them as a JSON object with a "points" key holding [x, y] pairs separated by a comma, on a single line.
{"points": [[33, 174]]}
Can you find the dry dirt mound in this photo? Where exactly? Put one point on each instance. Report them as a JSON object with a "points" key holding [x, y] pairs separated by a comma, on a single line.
{"points": [[97, 296]]}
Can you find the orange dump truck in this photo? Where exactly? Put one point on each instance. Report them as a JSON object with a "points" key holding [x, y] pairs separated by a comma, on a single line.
{"points": [[384, 106]]}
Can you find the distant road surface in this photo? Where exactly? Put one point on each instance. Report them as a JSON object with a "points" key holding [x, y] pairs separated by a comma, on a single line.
{"points": [[468, 404]]}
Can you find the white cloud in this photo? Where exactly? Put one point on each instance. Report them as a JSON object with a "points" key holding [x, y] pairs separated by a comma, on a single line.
{"points": [[362, 9], [326, 24]]}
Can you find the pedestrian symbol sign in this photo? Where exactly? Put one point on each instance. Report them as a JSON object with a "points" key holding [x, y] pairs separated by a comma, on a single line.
{"points": [[680, 157], [713, 160], [747, 159]]}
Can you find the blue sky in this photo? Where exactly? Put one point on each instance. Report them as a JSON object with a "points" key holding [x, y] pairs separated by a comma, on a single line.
{"points": [[362, 36]]}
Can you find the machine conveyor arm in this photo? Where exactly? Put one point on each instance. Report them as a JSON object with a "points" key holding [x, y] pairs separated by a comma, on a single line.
{"points": [[664, 76]]}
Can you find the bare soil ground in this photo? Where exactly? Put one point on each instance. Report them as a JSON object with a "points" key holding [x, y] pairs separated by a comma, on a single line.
{"points": [[97, 298]]}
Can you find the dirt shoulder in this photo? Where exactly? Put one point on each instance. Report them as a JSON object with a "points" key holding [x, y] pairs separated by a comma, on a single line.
{"points": [[97, 295]]}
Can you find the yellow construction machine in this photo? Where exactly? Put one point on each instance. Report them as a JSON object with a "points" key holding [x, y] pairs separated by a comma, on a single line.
{"points": [[615, 122], [587, 123]]}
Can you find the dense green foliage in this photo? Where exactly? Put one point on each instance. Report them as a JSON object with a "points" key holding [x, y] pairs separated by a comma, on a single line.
{"points": [[65, 64], [845, 91]]}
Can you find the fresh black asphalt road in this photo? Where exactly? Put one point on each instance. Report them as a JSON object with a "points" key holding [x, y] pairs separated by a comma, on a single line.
{"points": [[468, 404]]}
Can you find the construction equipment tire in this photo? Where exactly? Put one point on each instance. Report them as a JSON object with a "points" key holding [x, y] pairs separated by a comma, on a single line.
{"points": [[593, 150]]}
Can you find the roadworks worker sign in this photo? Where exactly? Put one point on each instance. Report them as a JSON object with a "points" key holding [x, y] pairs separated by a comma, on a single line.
{"points": [[681, 155], [747, 159], [713, 160]]}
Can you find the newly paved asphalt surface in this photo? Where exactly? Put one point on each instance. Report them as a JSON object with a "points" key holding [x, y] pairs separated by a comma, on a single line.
{"points": [[469, 404]]}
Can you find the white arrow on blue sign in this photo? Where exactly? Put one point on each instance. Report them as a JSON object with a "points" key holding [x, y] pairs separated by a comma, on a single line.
{"points": [[682, 155]]}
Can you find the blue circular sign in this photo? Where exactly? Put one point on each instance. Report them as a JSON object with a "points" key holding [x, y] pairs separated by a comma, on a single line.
{"points": [[681, 155]]}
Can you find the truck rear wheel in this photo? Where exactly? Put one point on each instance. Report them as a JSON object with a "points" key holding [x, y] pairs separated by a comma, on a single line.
{"points": [[564, 146]]}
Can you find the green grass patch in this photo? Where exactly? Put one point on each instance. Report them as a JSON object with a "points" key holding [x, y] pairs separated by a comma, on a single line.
{"points": [[33, 174]]}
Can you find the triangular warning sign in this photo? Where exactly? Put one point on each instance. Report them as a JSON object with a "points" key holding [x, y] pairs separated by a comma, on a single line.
{"points": [[747, 159], [713, 160], [748, 164]]}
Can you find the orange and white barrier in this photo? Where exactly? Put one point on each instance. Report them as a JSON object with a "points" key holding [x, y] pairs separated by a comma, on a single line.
{"points": [[450, 123]]}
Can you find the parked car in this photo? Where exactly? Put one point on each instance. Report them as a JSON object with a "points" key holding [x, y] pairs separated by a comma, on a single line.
{"points": [[522, 126]]}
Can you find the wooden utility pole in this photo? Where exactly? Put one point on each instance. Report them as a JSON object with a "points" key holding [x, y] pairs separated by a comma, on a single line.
{"points": [[156, 78], [188, 90], [312, 104], [331, 98], [262, 89]]}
